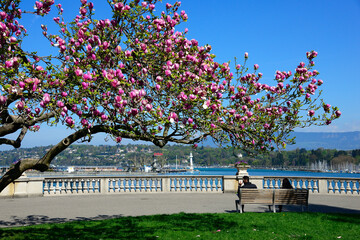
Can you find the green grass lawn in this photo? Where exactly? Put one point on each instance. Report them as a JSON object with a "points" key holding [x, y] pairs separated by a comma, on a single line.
{"points": [[287, 225]]}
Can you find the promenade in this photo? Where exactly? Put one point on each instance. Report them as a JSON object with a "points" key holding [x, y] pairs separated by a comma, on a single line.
{"points": [[37, 210]]}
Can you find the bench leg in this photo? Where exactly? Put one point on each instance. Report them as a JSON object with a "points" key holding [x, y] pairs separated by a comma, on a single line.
{"points": [[274, 208], [237, 205]]}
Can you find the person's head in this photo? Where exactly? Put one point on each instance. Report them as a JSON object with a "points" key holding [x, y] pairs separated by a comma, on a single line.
{"points": [[286, 183], [245, 179]]}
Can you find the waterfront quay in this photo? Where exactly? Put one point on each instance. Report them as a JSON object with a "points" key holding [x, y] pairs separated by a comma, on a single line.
{"points": [[35, 200], [37, 210]]}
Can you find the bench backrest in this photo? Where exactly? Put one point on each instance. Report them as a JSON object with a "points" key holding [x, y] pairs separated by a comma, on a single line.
{"points": [[256, 196], [274, 196], [291, 196]]}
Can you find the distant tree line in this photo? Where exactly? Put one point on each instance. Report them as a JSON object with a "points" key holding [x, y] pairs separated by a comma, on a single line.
{"points": [[138, 155]]}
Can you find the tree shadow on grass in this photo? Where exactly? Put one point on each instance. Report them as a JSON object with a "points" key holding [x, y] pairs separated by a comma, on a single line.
{"points": [[144, 227]]}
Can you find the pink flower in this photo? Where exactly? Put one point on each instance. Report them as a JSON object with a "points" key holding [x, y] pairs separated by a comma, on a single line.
{"points": [[338, 113], [85, 85], [246, 55], [148, 107], [167, 72], [60, 104], [326, 107], [46, 98], [256, 66], [20, 105], [118, 139], [69, 121], [311, 113], [78, 72], [173, 117]]}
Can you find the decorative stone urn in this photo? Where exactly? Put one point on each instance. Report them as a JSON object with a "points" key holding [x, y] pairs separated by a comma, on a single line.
{"points": [[242, 170]]}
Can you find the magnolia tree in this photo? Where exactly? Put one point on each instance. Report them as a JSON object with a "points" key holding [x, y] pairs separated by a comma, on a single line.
{"points": [[134, 76]]}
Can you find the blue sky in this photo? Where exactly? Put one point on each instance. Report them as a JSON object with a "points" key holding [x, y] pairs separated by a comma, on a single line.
{"points": [[276, 34]]}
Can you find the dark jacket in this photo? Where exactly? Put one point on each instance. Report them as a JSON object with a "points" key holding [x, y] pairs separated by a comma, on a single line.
{"points": [[246, 185], [249, 185]]}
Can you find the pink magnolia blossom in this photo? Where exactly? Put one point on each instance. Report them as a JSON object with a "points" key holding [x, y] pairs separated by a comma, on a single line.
{"points": [[20, 105], [46, 98]]}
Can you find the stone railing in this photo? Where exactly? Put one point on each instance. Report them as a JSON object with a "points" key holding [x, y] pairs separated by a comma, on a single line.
{"points": [[55, 186], [321, 185], [131, 184]]}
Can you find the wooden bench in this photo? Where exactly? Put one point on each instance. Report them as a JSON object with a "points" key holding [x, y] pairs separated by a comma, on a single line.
{"points": [[272, 197]]}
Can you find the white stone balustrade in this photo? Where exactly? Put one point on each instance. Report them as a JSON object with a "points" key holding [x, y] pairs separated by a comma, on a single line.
{"points": [[350, 186], [56, 186]]}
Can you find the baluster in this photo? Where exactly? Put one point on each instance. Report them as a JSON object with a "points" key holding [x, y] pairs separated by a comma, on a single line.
{"points": [[61, 186], [111, 185], [69, 187], [219, 185], [121, 184], [271, 184], [116, 186], [153, 185], [46, 187], [354, 189], [203, 186], [213, 185], [148, 185], [87, 185], [158, 185], [126, 185], [198, 188], [56, 186], [348, 188], [132, 184], [188, 184], [315, 186], [75, 186], [96, 184], [193, 187], [51, 188], [177, 184], [182, 186], [342, 186], [82, 185], [266, 186], [336, 187], [276, 183], [330, 186], [137, 186], [64, 186], [142, 184], [208, 186]]}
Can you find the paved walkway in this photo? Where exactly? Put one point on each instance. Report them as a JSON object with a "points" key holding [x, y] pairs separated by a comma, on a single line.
{"points": [[29, 211]]}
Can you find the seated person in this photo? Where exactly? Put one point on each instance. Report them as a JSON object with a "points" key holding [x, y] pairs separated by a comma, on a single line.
{"points": [[285, 185], [244, 184]]}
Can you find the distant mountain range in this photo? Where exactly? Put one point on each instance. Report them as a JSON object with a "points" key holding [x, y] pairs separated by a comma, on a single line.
{"points": [[315, 140]]}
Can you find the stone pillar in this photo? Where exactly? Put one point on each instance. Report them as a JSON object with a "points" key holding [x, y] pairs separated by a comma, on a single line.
{"points": [[35, 187], [104, 185], [165, 181], [323, 186], [230, 184], [258, 181]]}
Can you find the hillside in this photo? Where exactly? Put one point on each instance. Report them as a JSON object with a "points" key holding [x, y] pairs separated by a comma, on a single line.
{"points": [[315, 140]]}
